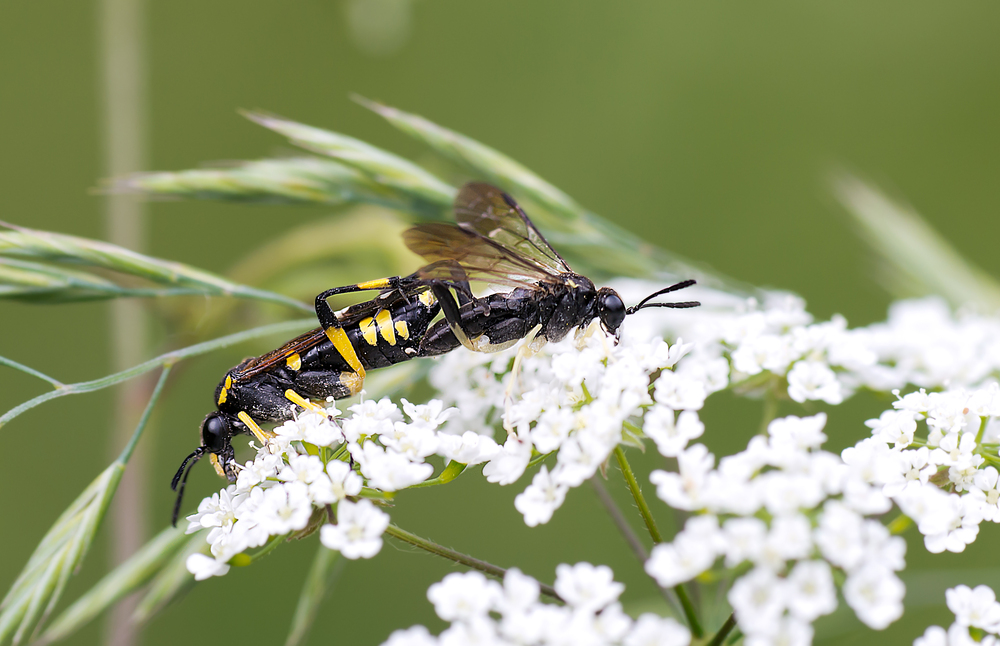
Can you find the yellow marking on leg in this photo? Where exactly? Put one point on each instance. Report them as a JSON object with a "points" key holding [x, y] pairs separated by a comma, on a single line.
{"points": [[214, 459], [225, 390], [402, 329], [384, 321], [294, 362], [368, 330], [261, 435], [293, 396], [374, 284], [343, 345], [353, 382]]}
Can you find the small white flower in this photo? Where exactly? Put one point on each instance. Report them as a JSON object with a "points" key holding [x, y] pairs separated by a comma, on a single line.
{"points": [[359, 529], [370, 418], [895, 427], [468, 448], [415, 636], [430, 415], [338, 483], [962, 516], [684, 490], [653, 630], [587, 587], [876, 595], [814, 380], [974, 607], [933, 636], [811, 593], [758, 599], [985, 490], [204, 567], [463, 596], [388, 470], [801, 433], [510, 462], [285, 508], [671, 437], [540, 500], [679, 392], [302, 468]]}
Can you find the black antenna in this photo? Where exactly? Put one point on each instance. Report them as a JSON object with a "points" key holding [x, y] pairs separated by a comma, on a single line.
{"points": [[193, 458], [666, 290]]}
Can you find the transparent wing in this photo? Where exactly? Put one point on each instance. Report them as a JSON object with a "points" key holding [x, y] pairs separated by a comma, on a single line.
{"points": [[493, 214], [494, 242]]}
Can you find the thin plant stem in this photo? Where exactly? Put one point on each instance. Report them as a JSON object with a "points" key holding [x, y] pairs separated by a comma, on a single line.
{"points": [[458, 557], [640, 501], [4, 361], [126, 453], [689, 610], [638, 549], [160, 361], [323, 573], [727, 628]]}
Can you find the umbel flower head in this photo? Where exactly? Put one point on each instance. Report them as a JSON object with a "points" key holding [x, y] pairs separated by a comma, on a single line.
{"points": [[787, 521]]}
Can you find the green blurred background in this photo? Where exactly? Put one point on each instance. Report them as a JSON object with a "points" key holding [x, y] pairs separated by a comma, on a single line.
{"points": [[710, 128]]}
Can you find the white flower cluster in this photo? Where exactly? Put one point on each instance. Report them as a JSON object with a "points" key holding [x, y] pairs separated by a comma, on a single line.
{"points": [[487, 613], [975, 609], [303, 471], [944, 480], [577, 397], [793, 513]]}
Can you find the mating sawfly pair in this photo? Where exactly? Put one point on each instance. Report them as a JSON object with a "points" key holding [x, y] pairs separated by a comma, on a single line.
{"points": [[493, 242]]}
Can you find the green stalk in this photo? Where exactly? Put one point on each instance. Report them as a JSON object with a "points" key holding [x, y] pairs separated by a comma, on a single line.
{"points": [[4, 361], [160, 361], [322, 575], [458, 557], [723, 632], [647, 517]]}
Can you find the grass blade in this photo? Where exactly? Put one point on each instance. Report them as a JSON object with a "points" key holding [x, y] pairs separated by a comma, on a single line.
{"points": [[916, 259], [123, 580], [322, 575], [384, 168], [22, 242], [295, 180]]}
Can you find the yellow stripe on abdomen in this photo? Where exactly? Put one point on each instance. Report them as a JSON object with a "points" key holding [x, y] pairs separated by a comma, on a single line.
{"points": [[368, 330], [384, 321]]}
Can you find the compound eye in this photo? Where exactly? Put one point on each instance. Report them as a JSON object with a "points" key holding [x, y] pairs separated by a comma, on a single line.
{"points": [[612, 311], [214, 433]]}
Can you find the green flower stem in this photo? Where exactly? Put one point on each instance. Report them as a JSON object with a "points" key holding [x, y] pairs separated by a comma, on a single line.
{"points": [[638, 549], [162, 360], [647, 517], [640, 501], [537, 460], [458, 557], [723, 632], [4, 361], [982, 429], [619, 520], [450, 472], [243, 560]]}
